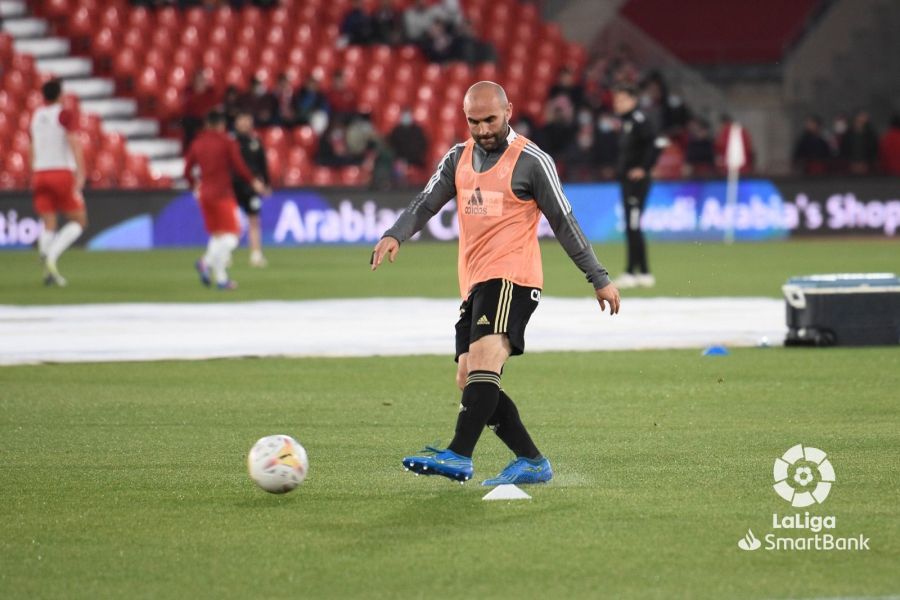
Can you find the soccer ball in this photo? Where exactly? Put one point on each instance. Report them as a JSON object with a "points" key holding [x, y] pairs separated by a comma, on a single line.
{"points": [[277, 463]]}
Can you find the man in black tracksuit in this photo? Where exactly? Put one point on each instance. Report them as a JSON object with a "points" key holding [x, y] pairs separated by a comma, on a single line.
{"points": [[637, 155], [255, 156]]}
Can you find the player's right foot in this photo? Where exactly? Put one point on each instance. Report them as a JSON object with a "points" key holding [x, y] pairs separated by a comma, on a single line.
{"points": [[645, 280], [258, 260], [625, 281], [227, 286], [202, 271], [523, 470], [52, 276], [433, 461]]}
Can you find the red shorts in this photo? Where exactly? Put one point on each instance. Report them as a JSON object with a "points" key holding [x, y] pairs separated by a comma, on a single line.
{"points": [[54, 191], [220, 216]]}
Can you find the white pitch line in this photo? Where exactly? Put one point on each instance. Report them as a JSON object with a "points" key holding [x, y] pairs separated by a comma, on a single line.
{"points": [[364, 327]]}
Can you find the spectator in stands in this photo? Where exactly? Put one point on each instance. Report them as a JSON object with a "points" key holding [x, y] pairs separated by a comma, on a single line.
{"points": [[231, 105], [449, 12], [597, 94], [408, 141], [700, 155], [557, 133], [578, 157], [606, 145], [341, 98], [361, 134], [261, 103], [417, 19], [722, 144], [524, 125], [333, 150], [199, 99], [812, 152], [567, 87], [387, 24], [666, 111], [356, 27], [286, 112], [859, 146], [890, 147], [438, 43], [468, 48], [311, 105]]}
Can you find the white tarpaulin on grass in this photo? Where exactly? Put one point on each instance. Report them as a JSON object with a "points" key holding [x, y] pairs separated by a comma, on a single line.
{"points": [[365, 327]]}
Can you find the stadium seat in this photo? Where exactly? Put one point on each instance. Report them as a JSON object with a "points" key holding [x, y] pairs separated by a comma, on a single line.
{"points": [[323, 176]]}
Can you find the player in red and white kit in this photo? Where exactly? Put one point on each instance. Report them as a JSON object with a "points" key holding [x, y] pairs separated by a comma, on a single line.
{"points": [[218, 157], [57, 166]]}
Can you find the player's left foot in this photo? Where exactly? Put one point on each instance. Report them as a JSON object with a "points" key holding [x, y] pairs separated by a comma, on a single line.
{"points": [[440, 462], [227, 286], [52, 276], [523, 470], [202, 271], [645, 280], [258, 260]]}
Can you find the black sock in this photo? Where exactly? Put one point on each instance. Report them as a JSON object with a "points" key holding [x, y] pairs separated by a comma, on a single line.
{"points": [[479, 401], [508, 426]]}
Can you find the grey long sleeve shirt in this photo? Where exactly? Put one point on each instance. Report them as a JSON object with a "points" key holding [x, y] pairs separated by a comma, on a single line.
{"points": [[534, 178]]}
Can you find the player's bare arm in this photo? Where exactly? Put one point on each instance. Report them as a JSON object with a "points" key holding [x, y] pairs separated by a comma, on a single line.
{"points": [[609, 294], [75, 145], [386, 246]]}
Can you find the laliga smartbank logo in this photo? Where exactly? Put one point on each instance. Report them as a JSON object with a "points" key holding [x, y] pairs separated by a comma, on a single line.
{"points": [[803, 477]]}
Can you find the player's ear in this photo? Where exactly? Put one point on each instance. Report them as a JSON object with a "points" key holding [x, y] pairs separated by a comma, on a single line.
{"points": [[509, 111]]}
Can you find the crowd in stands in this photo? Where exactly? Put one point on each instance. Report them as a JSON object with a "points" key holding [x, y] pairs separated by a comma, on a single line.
{"points": [[439, 29], [205, 3], [849, 146], [347, 136], [580, 130], [578, 127]]}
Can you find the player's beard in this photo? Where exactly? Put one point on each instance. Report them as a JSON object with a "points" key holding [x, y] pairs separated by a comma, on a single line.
{"points": [[489, 143]]}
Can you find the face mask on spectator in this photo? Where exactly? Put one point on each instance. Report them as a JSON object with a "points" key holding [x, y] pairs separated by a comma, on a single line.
{"points": [[406, 118]]}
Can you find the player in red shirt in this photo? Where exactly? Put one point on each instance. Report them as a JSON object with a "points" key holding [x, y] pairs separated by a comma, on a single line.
{"points": [[218, 157], [57, 165]]}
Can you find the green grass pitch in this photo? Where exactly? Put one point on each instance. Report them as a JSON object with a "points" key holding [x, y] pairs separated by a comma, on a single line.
{"points": [[129, 479]]}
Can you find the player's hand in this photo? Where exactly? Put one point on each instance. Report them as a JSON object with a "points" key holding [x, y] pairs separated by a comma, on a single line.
{"points": [[636, 174], [609, 294], [385, 246]]}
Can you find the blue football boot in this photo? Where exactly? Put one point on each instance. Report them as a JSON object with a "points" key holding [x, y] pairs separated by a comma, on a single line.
{"points": [[440, 462], [202, 271], [523, 470]]}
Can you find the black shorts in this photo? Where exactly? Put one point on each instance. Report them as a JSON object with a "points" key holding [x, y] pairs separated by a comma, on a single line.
{"points": [[250, 202], [496, 306]]}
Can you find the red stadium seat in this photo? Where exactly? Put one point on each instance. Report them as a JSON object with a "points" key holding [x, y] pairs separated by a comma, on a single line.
{"points": [[141, 19], [352, 176], [125, 64], [305, 137], [166, 18], [170, 104], [323, 176]]}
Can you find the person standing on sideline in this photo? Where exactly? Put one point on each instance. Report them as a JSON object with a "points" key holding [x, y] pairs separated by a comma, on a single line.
{"points": [[637, 155], [503, 184], [218, 156], [250, 202], [58, 173]]}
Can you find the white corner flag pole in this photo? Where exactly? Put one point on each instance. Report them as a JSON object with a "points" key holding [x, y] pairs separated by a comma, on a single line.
{"points": [[734, 160]]}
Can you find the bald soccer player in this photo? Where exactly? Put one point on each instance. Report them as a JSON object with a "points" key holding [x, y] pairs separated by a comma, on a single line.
{"points": [[503, 183]]}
